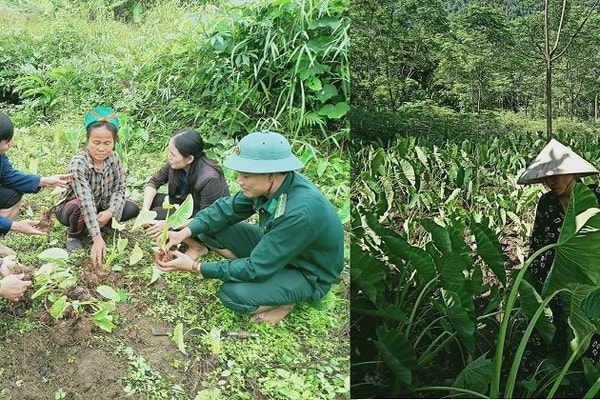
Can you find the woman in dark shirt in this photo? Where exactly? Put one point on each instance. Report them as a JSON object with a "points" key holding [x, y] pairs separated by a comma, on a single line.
{"points": [[559, 168], [187, 170]]}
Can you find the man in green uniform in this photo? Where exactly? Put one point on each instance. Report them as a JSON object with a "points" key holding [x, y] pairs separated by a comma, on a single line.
{"points": [[295, 252]]}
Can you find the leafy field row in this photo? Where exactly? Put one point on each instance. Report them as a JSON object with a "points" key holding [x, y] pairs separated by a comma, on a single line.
{"points": [[439, 303]]}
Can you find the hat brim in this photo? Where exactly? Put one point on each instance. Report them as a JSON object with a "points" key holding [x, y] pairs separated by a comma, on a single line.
{"points": [[555, 159], [240, 164]]}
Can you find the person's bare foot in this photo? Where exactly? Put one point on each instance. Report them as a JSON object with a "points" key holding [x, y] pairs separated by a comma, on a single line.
{"points": [[6, 251], [272, 315], [195, 249]]}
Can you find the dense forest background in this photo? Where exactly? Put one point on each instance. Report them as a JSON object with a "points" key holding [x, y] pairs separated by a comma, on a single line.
{"points": [[472, 57]]}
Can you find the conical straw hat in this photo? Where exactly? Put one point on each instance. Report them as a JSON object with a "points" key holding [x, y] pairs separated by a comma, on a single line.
{"points": [[555, 159]]}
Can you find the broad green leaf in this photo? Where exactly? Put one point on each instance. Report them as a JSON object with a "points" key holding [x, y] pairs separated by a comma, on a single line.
{"points": [[183, 212], [368, 274], [490, 250], [108, 292], [581, 325], [121, 244], [58, 307], [582, 198], [156, 272], [54, 253], [116, 225], [590, 306], [453, 277], [335, 111], [397, 352], [136, 255], [420, 260], [103, 320], [145, 217], [530, 302], [476, 376], [460, 319], [409, 171], [178, 337], [439, 235]]}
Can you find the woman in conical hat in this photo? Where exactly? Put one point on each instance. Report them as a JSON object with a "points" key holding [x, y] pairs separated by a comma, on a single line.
{"points": [[559, 168]]}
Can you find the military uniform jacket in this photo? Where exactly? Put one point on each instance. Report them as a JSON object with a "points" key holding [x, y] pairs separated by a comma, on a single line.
{"points": [[300, 228]]}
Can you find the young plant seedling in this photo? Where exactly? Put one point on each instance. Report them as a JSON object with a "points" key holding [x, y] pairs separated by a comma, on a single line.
{"points": [[173, 221]]}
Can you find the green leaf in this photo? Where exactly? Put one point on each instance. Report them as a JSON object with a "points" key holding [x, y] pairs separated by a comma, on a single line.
{"points": [[490, 250], [108, 292], [54, 253], [418, 258], [145, 217], [121, 244], [136, 255], [368, 273], [58, 307], [460, 319], [591, 305], [439, 235], [335, 111], [409, 171], [156, 272], [476, 376], [116, 225], [397, 352], [530, 302], [183, 212], [582, 198], [178, 337], [103, 320]]}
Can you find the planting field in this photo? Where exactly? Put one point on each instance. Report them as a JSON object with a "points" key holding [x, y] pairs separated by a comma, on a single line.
{"points": [[440, 238]]}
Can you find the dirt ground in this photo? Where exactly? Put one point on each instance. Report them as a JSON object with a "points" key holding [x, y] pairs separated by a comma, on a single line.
{"points": [[83, 361]]}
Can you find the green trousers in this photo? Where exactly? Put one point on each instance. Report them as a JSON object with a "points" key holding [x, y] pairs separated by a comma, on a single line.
{"points": [[288, 286]]}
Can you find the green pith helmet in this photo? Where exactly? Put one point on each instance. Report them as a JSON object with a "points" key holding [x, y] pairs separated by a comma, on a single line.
{"points": [[103, 114], [263, 152]]}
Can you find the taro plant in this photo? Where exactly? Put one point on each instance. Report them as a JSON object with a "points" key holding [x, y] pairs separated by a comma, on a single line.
{"points": [[57, 282], [172, 221]]}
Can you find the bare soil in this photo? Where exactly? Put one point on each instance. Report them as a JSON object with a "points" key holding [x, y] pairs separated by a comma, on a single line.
{"points": [[73, 355]]}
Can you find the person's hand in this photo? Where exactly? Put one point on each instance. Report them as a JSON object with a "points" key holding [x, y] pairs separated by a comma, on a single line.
{"points": [[60, 180], [182, 262], [13, 287], [155, 230], [27, 226], [98, 251], [104, 217], [176, 237], [6, 267]]}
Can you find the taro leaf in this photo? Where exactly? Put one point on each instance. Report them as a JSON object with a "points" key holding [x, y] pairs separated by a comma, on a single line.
{"points": [[439, 235], [409, 171], [579, 322], [582, 198], [453, 279], [590, 305], [53, 253], [144, 217], [183, 212], [490, 250], [363, 306], [397, 352], [121, 244], [103, 320], [136, 255], [420, 260], [476, 376], [422, 157], [116, 225], [461, 321], [590, 371], [58, 308], [578, 250], [368, 274], [156, 272], [178, 337], [530, 302], [108, 292]]}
